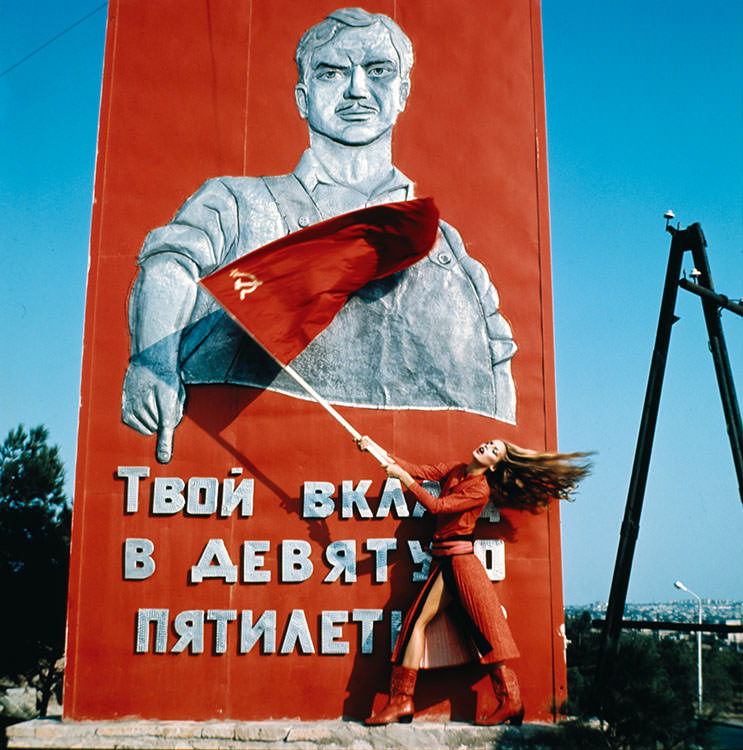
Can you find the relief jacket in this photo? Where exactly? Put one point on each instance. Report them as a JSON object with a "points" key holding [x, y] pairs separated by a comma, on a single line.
{"points": [[428, 337]]}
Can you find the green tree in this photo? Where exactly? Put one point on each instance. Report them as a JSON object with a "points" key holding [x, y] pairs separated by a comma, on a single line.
{"points": [[651, 698], [723, 680], [34, 560], [582, 656]]}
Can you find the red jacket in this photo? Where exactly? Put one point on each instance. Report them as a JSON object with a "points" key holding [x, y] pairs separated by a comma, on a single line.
{"points": [[481, 617], [462, 498]]}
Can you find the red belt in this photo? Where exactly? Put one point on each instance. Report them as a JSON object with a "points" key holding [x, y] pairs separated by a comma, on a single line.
{"points": [[448, 547]]}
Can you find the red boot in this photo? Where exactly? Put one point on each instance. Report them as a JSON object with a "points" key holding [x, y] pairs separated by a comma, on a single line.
{"points": [[506, 688], [400, 704]]}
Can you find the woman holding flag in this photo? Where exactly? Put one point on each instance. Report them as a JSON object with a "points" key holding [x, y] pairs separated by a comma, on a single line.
{"points": [[512, 477]]}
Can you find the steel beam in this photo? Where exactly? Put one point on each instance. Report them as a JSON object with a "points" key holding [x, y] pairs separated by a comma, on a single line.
{"points": [[682, 240]]}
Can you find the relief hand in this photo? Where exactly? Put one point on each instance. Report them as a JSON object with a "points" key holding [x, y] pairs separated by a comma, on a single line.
{"points": [[153, 402]]}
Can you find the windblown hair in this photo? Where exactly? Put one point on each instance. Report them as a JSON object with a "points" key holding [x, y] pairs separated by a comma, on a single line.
{"points": [[531, 480]]}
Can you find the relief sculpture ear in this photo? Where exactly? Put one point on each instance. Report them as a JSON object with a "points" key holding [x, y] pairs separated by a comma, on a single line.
{"points": [[404, 93], [300, 96]]}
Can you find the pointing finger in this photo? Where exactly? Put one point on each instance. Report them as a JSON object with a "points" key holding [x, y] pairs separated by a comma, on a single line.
{"points": [[164, 450]]}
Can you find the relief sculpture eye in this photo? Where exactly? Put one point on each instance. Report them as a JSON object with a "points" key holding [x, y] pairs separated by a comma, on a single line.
{"points": [[380, 71], [328, 75]]}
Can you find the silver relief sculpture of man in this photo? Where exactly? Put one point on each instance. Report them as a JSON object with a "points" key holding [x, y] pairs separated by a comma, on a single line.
{"points": [[428, 337]]}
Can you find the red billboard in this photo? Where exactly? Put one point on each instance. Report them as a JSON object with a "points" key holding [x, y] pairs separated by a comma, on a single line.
{"points": [[234, 555]]}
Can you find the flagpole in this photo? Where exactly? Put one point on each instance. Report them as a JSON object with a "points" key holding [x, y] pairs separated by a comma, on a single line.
{"points": [[292, 373], [382, 457]]}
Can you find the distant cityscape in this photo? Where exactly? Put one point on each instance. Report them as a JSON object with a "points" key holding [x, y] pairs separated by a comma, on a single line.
{"points": [[714, 611], [678, 610]]}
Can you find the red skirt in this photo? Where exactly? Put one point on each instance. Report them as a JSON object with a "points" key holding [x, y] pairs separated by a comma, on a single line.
{"points": [[472, 627]]}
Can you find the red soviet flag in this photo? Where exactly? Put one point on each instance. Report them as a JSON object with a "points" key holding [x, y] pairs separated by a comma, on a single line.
{"points": [[287, 292]]}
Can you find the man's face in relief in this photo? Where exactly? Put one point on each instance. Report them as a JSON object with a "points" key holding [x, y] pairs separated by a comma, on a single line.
{"points": [[353, 92]]}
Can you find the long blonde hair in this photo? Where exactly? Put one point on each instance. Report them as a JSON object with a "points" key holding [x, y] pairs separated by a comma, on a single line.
{"points": [[530, 480]]}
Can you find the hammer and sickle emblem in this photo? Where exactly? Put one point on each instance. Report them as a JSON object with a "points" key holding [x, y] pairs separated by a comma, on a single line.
{"points": [[245, 283]]}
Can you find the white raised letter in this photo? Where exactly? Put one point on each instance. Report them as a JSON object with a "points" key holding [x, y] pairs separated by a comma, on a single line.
{"points": [[208, 486], [221, 617], [138, 562], [395, 625], [492, 554], [420, 557], [330, 631], [297, 632], [392, 496], [367, 618], [144, 618], [252, 561], [316, 500], [296, 565], [357, 497], [341, 555], [380, 547], [242, 496], [132, 475], [189, 625], [167, 496], [265, 627], [217, 552]]}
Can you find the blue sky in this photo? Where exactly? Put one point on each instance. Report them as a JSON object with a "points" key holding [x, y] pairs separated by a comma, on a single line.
{"points": [[644, 113]]}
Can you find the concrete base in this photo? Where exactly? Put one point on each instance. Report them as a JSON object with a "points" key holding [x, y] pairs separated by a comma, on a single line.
{"points": [[279, 735]]}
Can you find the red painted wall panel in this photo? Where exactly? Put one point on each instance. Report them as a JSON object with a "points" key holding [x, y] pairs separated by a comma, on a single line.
{"points": [[194, 90]]}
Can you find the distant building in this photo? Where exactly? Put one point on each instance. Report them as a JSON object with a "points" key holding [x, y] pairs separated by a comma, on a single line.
{"points": [[735, 640]]}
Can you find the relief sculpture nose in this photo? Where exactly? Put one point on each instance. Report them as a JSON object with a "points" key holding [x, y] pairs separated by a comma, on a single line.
{"points": [[358, 84]]}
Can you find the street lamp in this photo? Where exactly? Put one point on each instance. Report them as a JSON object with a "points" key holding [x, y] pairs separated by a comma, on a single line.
{"points": [[681, 586]]}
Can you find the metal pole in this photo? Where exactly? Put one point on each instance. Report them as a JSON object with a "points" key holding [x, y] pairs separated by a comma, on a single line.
{"points": [[699, 658], [717, 346], [638, 480], [692, 239], [719, 299], [681, 586]]}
